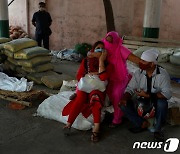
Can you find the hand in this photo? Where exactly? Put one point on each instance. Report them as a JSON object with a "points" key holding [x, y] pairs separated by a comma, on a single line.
{"points": [[103, 56], [90, 54], [142, 93], [123, 102]]}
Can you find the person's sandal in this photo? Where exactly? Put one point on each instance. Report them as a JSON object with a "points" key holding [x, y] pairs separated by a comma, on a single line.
{"points": [[67, 131], [95, 136]]}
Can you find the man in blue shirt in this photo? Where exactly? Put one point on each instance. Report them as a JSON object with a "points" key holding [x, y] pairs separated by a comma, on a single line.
{"points": [[42, 21]]}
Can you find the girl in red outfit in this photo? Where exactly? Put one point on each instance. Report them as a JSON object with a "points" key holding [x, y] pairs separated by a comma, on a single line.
{"points": [[89, 103]]}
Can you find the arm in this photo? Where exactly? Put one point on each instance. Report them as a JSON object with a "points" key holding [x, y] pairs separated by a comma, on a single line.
{"points": [[101, 61], [34, 20], [133, 58], [165, 88], [50, 20]]}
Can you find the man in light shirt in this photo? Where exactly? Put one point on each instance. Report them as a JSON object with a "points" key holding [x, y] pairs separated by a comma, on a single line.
{"points": [[148, 90]]}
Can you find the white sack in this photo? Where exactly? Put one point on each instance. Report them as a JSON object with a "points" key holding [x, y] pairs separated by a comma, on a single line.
{"points": [[52, 107], [14, 84]]}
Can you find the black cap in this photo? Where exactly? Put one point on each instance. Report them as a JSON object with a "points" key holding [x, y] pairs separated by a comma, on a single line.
{"points": [[42, 4]]}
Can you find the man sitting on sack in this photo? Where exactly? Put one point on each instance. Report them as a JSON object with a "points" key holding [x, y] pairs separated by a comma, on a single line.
{"points": [[146, 95]]}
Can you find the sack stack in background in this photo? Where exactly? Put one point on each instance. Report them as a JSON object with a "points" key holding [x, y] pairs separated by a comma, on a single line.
{"points": [[2, 41], [16, 32], [26, 59]]}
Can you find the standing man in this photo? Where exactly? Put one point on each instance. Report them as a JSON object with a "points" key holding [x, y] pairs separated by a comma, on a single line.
{"points": [[42, 21]]}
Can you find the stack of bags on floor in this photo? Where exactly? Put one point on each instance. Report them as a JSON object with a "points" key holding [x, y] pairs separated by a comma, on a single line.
{"points": [[2, 41], [16, 32], [25, 57], [31, 61], [169, 58]]}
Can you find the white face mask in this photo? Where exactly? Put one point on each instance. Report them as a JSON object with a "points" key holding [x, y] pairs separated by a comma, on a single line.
{"points": [[98, 50]]}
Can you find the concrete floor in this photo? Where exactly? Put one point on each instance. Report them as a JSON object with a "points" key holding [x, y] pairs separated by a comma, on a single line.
{"points": [[22, 133]]}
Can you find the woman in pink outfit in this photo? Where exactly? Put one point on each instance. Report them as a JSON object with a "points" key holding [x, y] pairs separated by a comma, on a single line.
{"points": [[117, 71]]}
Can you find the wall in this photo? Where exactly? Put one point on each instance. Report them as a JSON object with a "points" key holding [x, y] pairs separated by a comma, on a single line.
{"points": [[76, 21], [170, 21], [17, 14]]}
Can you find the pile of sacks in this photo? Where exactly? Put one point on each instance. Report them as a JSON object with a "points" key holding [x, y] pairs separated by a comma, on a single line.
{"points": [[26, 59], [24, 56], [2, 41], [169, 58], [16, 32]]}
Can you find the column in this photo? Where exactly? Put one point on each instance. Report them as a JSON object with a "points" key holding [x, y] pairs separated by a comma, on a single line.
{"points": [[4, 19], [152, 18]]}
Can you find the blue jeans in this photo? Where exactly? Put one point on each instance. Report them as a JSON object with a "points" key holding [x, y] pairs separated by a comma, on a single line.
{"points": [[160, 115]]}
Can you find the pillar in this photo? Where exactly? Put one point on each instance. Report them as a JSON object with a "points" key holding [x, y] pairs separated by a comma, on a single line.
{"points": [[152, 18], [4, 19]]}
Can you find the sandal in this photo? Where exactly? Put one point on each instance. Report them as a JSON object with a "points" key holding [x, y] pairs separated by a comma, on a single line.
{"points": [[95, 136], [67, 131]]}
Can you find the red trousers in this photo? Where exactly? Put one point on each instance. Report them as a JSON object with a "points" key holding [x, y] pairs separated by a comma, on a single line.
{"points": [[86, 104]]}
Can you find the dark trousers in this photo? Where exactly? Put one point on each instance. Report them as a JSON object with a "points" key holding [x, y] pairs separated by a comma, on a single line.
{"points": [[44, 38], [160, 115]]}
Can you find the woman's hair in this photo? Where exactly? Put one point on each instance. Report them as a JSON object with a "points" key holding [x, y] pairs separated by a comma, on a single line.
{"points": [[96, 44]]}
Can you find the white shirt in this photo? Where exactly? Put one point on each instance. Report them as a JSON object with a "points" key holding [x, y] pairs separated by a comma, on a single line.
{"points": [[160, 82]]}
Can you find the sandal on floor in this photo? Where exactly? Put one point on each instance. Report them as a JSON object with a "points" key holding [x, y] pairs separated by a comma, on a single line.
{"points": [[95, 136], [67, 131]]}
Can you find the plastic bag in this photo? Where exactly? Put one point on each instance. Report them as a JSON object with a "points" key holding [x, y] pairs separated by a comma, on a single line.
{"points": [[90, 83]]}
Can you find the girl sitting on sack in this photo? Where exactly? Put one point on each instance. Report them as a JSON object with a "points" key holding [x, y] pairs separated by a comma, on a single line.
{"points": [[89, 101]]}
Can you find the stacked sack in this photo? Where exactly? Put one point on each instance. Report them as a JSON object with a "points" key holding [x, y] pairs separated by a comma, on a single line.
{"points": [[2, 41], [25, 57], [169, 58], [16, 32], [31, 61]]}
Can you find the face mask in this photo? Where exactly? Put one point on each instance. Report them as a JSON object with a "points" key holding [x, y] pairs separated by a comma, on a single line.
{"points": [[98, 50], [144, 66]]}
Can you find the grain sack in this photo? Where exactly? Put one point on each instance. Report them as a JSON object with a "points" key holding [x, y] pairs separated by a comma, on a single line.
{"points": [[140, 50], [173, 70], [31, 52], [13, 61], [55, 81], [19, 44], [175, 58], [36, 77], [40, 68], [4, 40], [1, 47], [164, 53], [68, 85], [20, 71], [34, 61], [9, 66], [8, 53]]}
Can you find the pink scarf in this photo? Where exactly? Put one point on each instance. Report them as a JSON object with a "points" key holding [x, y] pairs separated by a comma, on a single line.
{"points": [[117, 53]]}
